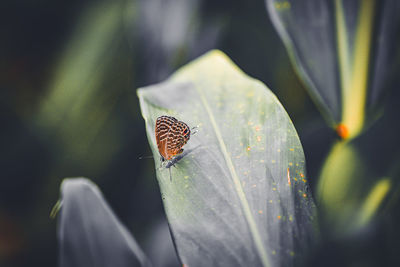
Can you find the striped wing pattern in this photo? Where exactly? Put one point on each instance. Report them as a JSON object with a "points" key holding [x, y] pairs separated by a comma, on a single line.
{"points": [[171, 136]]}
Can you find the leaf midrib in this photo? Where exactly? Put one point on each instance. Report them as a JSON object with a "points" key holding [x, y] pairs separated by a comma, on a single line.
{"points": [[245, 205]]}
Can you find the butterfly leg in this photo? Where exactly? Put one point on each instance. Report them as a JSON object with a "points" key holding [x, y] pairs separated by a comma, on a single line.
{"points": [[162, 160]]}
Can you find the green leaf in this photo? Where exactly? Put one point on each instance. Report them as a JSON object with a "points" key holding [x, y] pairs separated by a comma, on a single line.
{"points": [[348, 193], [340, 191], [89, 233], [89, 79], [239, 194], [343, 50], [374, 200]]}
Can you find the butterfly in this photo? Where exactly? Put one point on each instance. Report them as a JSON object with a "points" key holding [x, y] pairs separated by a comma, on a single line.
{"points": [[171, 136]]}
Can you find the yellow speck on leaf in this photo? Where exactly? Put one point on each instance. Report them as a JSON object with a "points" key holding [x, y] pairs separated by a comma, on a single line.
{"points": [[279, 217], [257, 128], [260, 212], [291, 149], [304, 195], [248, 148], [290, 164], [258, 138], [282, 5]]}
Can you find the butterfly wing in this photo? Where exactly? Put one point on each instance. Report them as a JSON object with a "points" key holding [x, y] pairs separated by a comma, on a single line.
{"points": [[162, 129], [177, 138]]}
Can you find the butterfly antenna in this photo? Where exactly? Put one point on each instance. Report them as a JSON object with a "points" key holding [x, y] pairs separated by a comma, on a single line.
{"points": [[145, 157]]}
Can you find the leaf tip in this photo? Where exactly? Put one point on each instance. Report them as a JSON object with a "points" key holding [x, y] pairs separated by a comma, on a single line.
{"points": [[217, 55], [75, 184]]}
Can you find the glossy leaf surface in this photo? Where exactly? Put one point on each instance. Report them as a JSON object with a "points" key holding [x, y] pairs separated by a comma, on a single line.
{"points": [[89, 233], [239, 193]]}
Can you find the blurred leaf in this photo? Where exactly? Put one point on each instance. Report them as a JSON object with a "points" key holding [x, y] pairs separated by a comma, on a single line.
{"points": [[89, 233], [171, 32], [346, 197], [373, 201], [89, 78], [238, 195], [343, 50], [339, 193], [160, 247]]}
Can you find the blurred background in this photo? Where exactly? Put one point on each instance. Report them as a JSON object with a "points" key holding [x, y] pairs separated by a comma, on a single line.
{"points": [[69, 71]]}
